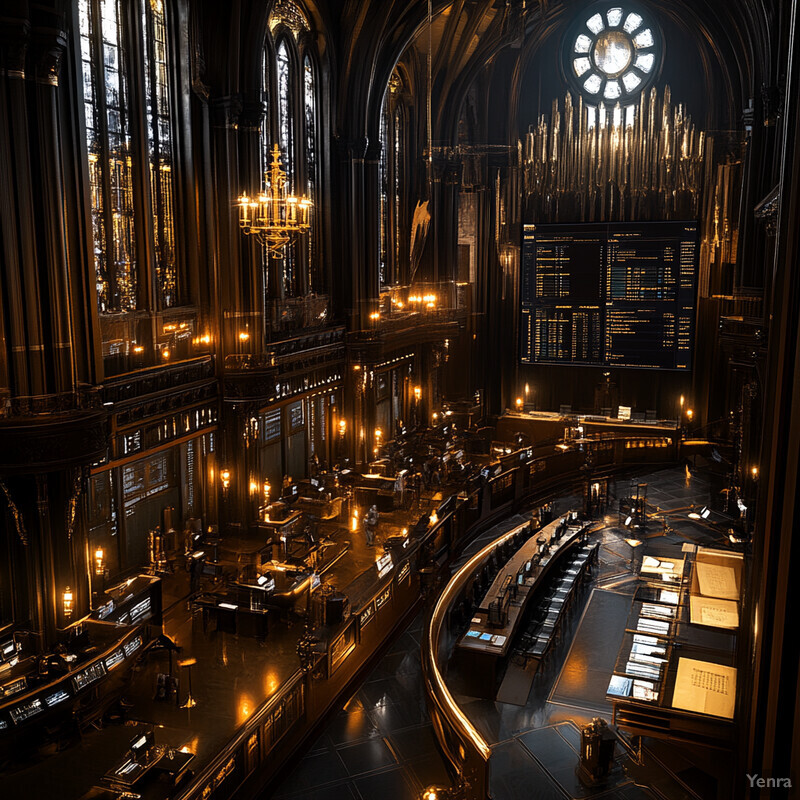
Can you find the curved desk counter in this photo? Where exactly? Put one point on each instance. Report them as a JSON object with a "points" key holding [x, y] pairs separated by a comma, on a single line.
{"points": [[462, 743], [487, 642]]}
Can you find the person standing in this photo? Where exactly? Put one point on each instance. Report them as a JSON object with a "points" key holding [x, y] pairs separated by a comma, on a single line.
{"points": [[371, 524]]}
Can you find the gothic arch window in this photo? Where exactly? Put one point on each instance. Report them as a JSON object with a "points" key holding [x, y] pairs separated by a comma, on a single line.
{"points": [[158, 108], [285, 73], [292, 118], [109, 37], [391, 169], [108, 132], [311, 158]]}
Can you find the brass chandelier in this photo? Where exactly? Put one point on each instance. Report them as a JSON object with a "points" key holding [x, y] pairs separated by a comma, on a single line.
{"points": [[274, 218]]}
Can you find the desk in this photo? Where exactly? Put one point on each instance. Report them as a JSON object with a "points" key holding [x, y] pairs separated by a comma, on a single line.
{"points": [[236, 619], [129, 772], [485, 646]]}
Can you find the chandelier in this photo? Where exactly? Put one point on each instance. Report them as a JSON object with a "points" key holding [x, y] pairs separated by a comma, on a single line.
{"points": [[274, 218]]}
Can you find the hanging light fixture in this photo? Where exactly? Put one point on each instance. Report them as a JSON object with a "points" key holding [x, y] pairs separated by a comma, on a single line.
{"points": [[272, 216]]}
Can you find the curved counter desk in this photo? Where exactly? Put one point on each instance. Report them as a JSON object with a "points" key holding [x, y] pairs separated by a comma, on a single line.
{"points": [[486, 645]]}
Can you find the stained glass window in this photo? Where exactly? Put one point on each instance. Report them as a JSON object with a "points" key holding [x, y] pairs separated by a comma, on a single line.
{"points": [[390, 169], [159, 146], [310, 104], [105, 81], [383, 172], [611, 55], [110, 41], [266, 143], [286, 142]]}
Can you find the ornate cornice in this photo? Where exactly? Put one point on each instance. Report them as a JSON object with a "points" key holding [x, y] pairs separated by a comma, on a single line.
{"points": [[52, 442]]}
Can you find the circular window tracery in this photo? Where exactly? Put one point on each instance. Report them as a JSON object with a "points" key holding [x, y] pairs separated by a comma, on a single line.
{"points": [[611, 54]]}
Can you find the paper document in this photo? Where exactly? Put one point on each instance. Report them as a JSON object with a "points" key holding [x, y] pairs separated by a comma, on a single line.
{"points": [[705, 688], [717, 581], [713, 612]]}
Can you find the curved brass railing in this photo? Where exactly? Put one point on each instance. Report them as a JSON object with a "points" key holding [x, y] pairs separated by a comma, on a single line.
{"points": [[465, 748]]}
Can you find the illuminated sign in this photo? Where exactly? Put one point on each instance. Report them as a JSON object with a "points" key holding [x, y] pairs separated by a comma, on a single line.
{"points": [[366, 615], [405, 571], [384, 564], [384, 596]]}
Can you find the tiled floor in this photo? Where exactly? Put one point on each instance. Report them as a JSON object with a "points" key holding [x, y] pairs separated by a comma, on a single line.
{"points": [[382, 744]]}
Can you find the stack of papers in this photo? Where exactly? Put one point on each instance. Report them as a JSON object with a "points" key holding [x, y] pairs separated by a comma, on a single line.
{"points": [[658, 611], [645, 690], [653, 626], [643, 670]]}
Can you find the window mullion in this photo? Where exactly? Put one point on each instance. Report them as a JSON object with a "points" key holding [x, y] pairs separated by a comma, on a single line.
{"points": [[140, 173], [101, 122]]}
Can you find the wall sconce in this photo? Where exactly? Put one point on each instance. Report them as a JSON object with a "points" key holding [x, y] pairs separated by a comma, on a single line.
{"points": [[165, 354], [434, 518], [519, 403], [375, 316], [342, 427], [225, 477], [417, 392], [138, 349], [99, 561], [68, 602], [689, 414], [253, 487], [244, 336], [754, 473], [378, 434], [435, 417]]}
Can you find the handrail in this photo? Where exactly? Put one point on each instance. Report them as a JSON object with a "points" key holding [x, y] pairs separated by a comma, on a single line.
{"points": [[452, 589], [438, 692], [216, 763]]}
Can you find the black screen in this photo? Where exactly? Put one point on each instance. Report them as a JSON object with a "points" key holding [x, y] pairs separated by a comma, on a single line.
{"points": [[616, 295]]}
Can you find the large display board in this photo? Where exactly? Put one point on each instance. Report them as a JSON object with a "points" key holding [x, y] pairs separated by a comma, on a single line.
{"points": [[612, 295]]}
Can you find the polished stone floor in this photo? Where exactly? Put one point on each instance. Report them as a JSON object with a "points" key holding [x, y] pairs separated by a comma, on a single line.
{"points": [[381, 743], [233, 675]]}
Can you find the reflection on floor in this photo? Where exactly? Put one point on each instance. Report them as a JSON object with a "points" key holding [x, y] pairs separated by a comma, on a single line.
{"points": [[382, 745]]}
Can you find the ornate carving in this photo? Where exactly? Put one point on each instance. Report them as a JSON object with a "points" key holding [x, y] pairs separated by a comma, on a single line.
{"points": [[14, 38], [767, 211], [19, 524], [41, 444], [251, 117], [49, 46], [288, 13], [225, 111], [352, 149], [78, 481]]}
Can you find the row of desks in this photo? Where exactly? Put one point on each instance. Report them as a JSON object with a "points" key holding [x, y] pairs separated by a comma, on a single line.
{"points": [[481, 638]]}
